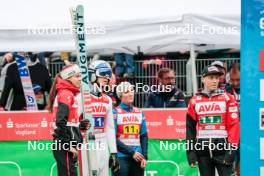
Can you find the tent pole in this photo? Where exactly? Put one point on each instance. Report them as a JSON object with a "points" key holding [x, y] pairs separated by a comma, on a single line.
{"points": [[193, 56]]}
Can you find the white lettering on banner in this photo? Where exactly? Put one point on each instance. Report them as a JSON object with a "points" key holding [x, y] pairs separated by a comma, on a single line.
{"points": [[261, 23], [154, 124], [129, 118], [151, 173], [25, 132], [210, 107], [170, 121], [26, 125], [44, 123], [180, 130], [180, 123]]}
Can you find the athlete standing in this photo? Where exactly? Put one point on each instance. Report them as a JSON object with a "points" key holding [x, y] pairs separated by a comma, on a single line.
{"points": [[64, 105], [101, 105], [132, 135], [212, 127]]}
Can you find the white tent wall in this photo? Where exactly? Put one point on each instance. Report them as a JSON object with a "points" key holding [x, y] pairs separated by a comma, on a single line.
{"points": [[121, 26]]}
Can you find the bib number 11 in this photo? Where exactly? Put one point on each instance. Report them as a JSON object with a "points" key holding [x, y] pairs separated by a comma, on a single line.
{"points": [[131, 129], [210, 119]]}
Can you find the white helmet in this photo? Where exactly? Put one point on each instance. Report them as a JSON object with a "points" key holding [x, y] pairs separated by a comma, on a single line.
{"points": [[99, 68]]}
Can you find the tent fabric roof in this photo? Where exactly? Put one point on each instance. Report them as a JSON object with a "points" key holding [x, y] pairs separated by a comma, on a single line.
{"points": [[120, 26]]}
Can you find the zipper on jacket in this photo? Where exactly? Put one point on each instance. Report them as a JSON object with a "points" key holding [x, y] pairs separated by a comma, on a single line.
{"points": [[72, 133], [210, 151]]}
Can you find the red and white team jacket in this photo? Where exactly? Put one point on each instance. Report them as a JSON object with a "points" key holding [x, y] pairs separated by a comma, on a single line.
{"points": [[102, 112], [216, 116], [65, 113]]}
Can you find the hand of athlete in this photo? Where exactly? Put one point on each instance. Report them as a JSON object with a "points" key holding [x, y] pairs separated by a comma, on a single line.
{"points": [[143, 163], [193, 165], [138, 157], [74, 152], [114, 163], [85, 124], [229, 157]]}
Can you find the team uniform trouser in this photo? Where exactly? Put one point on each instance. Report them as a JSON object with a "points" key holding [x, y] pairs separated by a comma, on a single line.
{"points": [[129, 167], [102, 155], [102, 158], [66, 164], [208, 165]]}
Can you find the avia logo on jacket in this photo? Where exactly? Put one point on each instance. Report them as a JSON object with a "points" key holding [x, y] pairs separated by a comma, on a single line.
{"points": [[210, 107], [99, 107], [130, 119]]}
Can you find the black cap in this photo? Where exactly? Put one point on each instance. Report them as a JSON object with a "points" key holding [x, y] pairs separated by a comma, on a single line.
{"points": [[218, 64], [211, 70]]}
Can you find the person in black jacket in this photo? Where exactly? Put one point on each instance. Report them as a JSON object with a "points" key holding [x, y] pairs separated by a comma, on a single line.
{"points": [[12, 97]]}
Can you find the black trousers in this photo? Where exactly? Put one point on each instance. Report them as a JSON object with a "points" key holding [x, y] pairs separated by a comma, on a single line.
{"points": [[66, 164], [129, 167], [208, 165]]}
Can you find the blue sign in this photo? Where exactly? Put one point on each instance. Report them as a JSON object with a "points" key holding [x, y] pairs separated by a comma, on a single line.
{"points": [[252, 42]]}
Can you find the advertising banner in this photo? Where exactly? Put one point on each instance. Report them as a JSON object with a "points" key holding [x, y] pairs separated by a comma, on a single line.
{"points": [[28, 158], [161, 124]]}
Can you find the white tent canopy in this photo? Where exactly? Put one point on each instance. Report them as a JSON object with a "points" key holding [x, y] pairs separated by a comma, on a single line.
{"points": [[121, 26]]}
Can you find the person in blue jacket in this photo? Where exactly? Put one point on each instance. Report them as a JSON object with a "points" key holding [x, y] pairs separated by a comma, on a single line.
{"points": [[131, 134]]}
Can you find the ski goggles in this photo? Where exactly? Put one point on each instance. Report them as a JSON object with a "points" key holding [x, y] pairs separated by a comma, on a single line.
{"points": [[104, 72], [101, 72]]}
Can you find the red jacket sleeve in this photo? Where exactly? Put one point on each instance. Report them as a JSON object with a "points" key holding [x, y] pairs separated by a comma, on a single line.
{"points": [[232, 121], [191, 111]]}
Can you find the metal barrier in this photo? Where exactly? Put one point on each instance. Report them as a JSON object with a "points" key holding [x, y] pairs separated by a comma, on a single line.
{"points": [[146, 74], [201, 63]]}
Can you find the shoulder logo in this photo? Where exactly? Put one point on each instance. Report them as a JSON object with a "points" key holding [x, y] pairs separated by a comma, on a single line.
{"points": [[198, 98]]}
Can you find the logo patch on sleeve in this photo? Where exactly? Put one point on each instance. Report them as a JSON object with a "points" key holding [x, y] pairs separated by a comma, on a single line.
{"points": [[234, 115], [233, 109]]}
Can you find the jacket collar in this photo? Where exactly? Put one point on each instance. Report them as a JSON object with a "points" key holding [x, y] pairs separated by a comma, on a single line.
{"points": [[64, 84], [126, 107], [211, 94]]}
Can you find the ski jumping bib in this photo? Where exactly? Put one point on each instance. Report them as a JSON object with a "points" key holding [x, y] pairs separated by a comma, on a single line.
{"points": [[128, 126]]}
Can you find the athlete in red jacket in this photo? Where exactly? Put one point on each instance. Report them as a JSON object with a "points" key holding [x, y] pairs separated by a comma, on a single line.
{"points": [[67, 134], [212, 127]]}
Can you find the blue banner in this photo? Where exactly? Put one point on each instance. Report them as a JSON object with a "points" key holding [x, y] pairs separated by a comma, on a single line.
{"points": [[252, 42]]}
